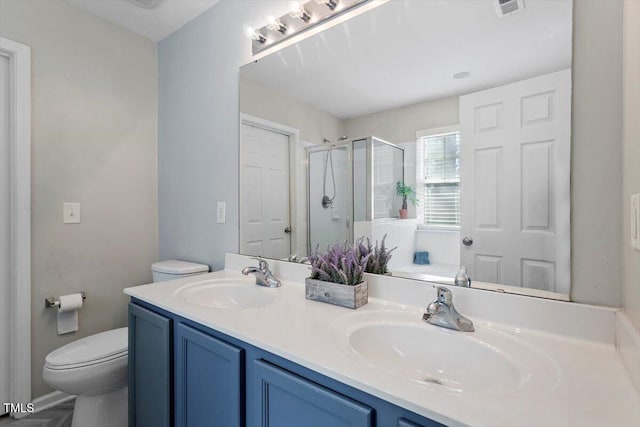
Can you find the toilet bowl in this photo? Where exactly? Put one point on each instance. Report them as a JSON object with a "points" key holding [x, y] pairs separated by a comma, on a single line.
{"points": [[95, 369]]}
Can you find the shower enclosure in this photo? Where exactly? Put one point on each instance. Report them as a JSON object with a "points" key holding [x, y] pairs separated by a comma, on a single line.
{"points": [[350, 181]]}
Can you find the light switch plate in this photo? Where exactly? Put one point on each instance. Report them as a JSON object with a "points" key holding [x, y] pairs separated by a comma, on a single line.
{"points": [[221, 215], [635, 220], [71, 213]]}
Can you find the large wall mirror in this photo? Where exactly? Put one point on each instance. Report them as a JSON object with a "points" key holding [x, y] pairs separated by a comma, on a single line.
{"points": [[468, 107]]}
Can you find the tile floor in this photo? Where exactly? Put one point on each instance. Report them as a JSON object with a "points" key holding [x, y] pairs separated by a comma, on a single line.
{"points": [[58, 416]]}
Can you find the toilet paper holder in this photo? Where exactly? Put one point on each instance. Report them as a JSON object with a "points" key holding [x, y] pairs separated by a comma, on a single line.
{"points": [[52, 302]]}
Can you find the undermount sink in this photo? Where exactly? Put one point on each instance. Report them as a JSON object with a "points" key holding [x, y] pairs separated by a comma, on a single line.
{"points": [[226, 294], [487, 361]]}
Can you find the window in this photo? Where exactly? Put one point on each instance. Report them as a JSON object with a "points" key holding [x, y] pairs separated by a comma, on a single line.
{"points": [[439, 179]]}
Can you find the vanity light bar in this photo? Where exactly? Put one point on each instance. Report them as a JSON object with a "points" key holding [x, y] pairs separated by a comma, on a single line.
{"points": [[301, 17]]}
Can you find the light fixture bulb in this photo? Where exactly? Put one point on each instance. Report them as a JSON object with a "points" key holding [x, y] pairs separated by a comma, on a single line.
{"points": [[256, 35], [275, 25], [298, 11], [331, 4]]}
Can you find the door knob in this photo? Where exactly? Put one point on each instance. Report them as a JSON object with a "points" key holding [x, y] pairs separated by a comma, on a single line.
{"points": [[467, 241], [287, 230]]}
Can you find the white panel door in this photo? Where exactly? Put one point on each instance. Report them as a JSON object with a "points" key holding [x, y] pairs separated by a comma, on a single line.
{"points": [[264, 193], [515, 194], [4, 231]]}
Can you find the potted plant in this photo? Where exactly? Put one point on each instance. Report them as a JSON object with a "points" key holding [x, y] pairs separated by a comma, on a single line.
{"points": [[378, 255], [407, 192], [337, 276]]}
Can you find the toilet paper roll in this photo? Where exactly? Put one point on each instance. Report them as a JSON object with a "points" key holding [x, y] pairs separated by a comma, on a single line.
{"points": [[70, 302], [68, 313]]}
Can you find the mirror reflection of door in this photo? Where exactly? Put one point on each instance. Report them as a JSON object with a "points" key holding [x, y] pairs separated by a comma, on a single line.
{"points": [[265, 228], [515, 183]]}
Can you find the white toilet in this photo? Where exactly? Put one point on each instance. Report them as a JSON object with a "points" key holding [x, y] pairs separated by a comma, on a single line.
{"points": [[94, 368]]}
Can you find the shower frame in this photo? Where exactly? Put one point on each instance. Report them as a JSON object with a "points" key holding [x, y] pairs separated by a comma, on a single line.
{"points": [[349, 145]]}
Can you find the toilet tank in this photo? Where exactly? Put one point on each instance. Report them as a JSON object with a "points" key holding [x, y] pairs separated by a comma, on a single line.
{"points": [[176, 269]]}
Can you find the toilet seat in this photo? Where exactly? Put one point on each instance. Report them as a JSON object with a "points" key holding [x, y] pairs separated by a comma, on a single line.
{"points": [[91, 350]]}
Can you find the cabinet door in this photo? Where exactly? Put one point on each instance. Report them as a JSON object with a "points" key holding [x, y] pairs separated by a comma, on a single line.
{"points": [[208, 380], [292, 401], [149, 368], [403, 422]]}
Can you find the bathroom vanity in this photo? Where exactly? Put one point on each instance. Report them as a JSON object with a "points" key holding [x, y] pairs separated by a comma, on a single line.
{"points": [[218, 347], [218, 377]]}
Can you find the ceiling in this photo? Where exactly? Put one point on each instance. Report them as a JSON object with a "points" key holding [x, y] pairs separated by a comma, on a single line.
{"points": [[157, 23], [407, 51]]}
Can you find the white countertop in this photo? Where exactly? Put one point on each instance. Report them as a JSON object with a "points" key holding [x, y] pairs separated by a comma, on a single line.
{"points": [[592, 387]]}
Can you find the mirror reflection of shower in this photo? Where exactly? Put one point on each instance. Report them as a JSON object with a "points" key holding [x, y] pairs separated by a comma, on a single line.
{"points": [[355, 182], [327, 201]]}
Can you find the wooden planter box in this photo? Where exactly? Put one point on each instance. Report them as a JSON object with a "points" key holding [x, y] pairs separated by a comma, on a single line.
{"points": [[337, 294]]}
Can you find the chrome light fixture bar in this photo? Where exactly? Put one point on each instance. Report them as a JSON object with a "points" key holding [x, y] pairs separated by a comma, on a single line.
{"points": [[301, 17]]}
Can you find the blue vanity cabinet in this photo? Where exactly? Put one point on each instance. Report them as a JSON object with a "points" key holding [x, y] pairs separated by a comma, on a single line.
{"points": [[184, 374], [149, 368], [208, 380], [403, 422], [288, 400]]}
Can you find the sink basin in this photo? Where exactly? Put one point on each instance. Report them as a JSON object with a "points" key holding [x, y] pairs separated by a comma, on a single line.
{"points": [[488, 361], [226, 294]]}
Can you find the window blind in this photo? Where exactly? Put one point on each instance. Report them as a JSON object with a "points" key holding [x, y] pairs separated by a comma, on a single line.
{"points": [[441, 178]]}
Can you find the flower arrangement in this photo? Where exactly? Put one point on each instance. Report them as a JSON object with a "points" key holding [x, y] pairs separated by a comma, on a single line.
{"points": [[377, 256], [342, 263]]}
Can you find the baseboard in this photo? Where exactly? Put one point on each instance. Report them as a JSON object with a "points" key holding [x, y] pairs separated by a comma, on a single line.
{"points": [[628, 346], [52, 399]]}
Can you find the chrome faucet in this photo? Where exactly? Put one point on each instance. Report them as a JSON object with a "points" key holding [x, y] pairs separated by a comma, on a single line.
{"points": [[264, 276], [441, 312], [300, 260]]}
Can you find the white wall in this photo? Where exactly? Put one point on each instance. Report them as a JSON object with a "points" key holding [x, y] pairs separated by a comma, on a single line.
{"points": [[400, 124], [314, 125], [401, 234], [631, 154], [198, 139], [443, 245], [94, 119]]}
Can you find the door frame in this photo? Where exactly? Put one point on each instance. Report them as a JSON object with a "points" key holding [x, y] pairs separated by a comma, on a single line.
{"points": [[294, 142], [20, 218]]}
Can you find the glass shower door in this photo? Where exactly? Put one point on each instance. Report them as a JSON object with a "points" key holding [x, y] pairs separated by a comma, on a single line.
{"points": [[330, 201]]}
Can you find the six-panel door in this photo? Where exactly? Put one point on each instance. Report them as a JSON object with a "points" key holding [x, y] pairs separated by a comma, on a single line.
{"points": [[208, 380]]}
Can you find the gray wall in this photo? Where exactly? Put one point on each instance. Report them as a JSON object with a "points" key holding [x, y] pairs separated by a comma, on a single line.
{"points": [[198, 140], [631, 154], [94, 104], [596, 177]]}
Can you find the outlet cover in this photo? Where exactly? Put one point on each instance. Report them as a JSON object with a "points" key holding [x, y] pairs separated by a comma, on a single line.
{"points": [[221, 214]]}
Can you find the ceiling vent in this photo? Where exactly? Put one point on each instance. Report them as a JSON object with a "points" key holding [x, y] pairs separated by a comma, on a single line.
{"points": [[507, 7], [146, 4]]}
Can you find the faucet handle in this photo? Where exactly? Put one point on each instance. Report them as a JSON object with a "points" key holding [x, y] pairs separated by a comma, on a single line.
{"points": [[262, 264], [444, 295]]}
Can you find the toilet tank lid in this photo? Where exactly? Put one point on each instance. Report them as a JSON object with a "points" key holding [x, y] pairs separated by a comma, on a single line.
{"points": [[90, 349], [174, 266]]}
